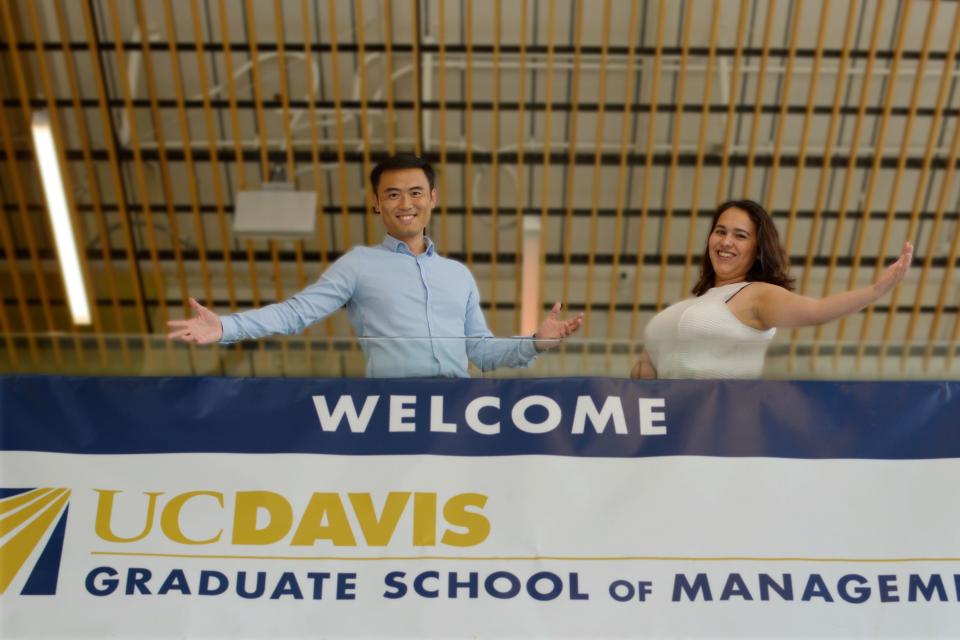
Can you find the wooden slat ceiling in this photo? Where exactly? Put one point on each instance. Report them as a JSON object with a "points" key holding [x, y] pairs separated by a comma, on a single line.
{"points": [[618, 124]]}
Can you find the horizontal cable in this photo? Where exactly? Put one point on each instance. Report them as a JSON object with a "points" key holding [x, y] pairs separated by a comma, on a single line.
{"points": [[504, 305], [338, 344]]}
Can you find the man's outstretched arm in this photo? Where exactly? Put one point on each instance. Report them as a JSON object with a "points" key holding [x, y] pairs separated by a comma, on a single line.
{"points": [[334, 288]]}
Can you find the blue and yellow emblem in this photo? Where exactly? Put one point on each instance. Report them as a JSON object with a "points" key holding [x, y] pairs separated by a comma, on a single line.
{"points": [[28, 517]]}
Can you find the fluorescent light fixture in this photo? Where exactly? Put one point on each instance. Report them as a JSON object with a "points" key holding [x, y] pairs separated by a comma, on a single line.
{"points": [[530, 276], [60, 220]]}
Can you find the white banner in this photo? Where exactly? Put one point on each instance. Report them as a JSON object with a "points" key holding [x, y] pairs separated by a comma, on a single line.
{"points": [[309, 545]]}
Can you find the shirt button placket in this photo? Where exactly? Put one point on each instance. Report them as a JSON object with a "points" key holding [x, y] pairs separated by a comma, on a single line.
{"points": [[426, 286]]}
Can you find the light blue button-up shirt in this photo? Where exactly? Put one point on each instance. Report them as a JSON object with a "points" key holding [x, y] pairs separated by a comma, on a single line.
{"points": [[389, 292]]}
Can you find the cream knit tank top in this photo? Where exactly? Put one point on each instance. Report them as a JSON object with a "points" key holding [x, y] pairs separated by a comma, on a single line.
{"points": [[701, 338]]}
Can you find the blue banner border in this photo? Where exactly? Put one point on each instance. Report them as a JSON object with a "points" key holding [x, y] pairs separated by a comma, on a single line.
{"points": [[785, 419]]}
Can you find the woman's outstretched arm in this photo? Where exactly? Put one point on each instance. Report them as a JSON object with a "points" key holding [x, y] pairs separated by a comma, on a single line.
{"points": [[776, 307]]}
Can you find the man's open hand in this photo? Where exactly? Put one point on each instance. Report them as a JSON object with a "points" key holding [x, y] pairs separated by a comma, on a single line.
{"points": [[553, 330], [204, 328]]}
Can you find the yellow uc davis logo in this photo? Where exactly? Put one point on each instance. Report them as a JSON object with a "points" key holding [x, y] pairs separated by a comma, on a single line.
{"points": [[29, 518]]}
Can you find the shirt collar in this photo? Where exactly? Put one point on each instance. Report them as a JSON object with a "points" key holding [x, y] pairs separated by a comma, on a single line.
{"points": [[395, 245]]}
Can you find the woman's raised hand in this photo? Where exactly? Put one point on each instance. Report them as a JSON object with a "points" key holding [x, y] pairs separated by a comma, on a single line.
{"points": [[896, 272]]}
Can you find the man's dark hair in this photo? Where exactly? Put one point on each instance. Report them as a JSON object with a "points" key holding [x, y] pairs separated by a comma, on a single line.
{"points": [[398, 162], [771, 263]]}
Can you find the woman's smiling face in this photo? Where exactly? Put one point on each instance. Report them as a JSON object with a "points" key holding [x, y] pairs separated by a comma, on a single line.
{"points": [[732, 246]]}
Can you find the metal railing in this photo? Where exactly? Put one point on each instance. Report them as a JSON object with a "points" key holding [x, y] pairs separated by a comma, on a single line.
{"points": [[317, 356]]}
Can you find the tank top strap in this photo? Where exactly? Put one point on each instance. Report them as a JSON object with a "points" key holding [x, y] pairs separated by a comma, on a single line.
{"points": [[741, 287]]}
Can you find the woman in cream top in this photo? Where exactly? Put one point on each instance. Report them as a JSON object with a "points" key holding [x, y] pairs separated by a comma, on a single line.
{"points": [[744, 294], [700, 338]]}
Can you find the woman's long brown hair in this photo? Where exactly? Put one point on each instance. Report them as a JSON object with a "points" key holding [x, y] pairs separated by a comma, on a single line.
{"points": [[771, 264]]}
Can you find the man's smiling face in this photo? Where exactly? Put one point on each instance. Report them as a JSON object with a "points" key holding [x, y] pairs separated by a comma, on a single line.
{"points": [[404, 201]]}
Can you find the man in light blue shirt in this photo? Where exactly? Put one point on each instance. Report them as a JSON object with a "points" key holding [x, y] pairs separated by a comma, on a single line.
{"points": [[427, 307]]}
